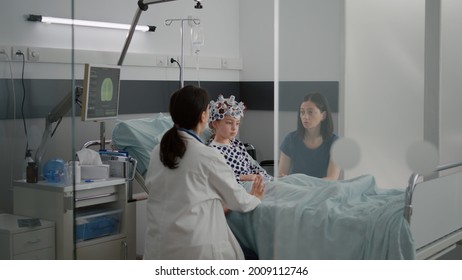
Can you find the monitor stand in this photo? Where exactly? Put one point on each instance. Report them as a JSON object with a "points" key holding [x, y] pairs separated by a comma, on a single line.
{"points": [[102, 135]]}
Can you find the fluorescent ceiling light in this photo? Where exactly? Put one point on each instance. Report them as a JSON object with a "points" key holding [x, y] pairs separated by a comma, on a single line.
{"points": [[68, 21]]}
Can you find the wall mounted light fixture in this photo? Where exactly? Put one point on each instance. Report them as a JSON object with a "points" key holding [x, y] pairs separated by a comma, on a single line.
{"points": [[69, 21]]}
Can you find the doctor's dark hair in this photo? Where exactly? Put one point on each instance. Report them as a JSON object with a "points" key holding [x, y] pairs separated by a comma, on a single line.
{"points": [[327, 125], [186, 106]]}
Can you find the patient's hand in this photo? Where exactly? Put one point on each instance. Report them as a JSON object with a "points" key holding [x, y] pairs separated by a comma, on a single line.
{"points": [[248, 177], [258, 187]]}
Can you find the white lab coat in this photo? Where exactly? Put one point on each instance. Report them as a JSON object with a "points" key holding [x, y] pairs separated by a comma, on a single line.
{"points": [[185, 218]]}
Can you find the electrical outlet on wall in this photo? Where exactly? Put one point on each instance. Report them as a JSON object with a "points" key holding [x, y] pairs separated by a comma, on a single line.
{"points": [[33, 54], [18, 53], [172, 63], [224, 63], [5, 52], [161, 61]]}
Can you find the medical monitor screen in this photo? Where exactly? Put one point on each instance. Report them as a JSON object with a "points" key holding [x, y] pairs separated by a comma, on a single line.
{"points": [[101, 85]]}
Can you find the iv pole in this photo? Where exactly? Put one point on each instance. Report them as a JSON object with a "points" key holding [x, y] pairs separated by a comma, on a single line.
{"points": [[190, 20]]}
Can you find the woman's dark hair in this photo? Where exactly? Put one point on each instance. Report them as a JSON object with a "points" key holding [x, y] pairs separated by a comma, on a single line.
{"points": [[327, 125], [186, 107]]}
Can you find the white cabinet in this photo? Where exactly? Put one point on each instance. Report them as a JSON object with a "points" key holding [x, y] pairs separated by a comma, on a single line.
{"points": [[96, 210], [26, 243]]}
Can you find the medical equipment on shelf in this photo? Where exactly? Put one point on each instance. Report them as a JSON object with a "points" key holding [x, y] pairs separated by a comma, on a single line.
{"points": [[54, 170], [55, 116], [131, 162], [118, 161]]}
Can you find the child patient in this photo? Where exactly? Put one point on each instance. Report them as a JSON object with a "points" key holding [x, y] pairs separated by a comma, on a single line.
{"points": [[224, 119]]}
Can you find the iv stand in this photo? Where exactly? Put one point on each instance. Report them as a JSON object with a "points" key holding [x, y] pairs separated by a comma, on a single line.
{"points": [[190, 20]]}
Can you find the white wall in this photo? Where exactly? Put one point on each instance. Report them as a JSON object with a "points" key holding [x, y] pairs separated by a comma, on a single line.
{"points": [[386, 61], [383, 93], [450, 85]]}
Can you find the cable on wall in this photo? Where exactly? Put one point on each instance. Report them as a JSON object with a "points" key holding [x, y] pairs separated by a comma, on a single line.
{"points": [[19, 53], [172, 60]]}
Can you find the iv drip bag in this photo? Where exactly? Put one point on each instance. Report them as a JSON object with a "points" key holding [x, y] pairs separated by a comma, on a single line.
{"points": [[197, 36]]}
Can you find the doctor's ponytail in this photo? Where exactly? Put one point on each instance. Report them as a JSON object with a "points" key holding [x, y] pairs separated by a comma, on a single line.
{"points": [[186, 107]]}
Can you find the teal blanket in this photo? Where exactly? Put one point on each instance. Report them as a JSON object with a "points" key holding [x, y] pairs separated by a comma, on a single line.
{"points": [[303, 217]]}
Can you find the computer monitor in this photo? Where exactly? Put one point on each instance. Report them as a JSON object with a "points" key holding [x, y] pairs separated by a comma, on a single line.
{"points": [[101, 86]]}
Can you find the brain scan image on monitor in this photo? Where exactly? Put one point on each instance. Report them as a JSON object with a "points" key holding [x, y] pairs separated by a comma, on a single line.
{"points": [[100, 92]]}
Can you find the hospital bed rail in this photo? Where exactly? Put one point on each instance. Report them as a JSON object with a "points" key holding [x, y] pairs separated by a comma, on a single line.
{"points": [[433, 212], [413, 182]]}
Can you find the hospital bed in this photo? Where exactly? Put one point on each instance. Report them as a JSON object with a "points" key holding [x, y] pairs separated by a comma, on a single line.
{"points": [[303, 217]]}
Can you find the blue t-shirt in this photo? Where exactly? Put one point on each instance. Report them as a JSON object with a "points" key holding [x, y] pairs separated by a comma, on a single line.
{"points": [[312, 162]]}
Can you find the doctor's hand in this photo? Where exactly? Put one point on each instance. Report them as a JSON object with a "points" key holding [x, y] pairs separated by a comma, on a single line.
{"points": [[258, 187]]}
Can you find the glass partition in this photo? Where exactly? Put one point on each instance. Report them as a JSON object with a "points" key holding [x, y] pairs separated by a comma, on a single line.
{"points": [[376, 63], [336, 49], [310, 59], [37, 86], [54, 59], [366, 60]]}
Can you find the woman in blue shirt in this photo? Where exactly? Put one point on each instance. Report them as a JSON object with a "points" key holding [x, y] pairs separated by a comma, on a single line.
{"points": [[307, 150]]}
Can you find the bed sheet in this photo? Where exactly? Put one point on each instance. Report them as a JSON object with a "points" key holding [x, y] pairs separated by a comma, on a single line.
{"points": [[303, 217]]}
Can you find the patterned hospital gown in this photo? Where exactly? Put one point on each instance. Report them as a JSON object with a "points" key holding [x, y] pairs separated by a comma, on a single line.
{"points": [[239, 159]]}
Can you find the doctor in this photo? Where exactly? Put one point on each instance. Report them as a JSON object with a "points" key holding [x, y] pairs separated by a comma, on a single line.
{"points": [[190, 184]]}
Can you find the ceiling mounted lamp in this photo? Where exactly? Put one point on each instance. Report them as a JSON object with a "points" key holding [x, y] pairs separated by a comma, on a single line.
{"points": [[101, 24]]}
